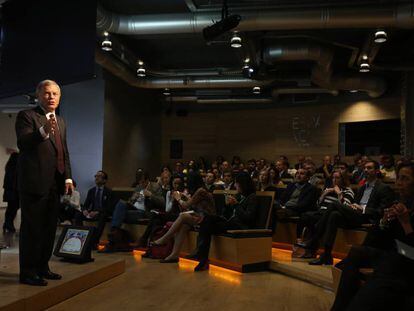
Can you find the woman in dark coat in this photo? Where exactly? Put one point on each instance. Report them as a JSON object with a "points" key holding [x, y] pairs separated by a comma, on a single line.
{"points": [[11, 195], [239, 213]]}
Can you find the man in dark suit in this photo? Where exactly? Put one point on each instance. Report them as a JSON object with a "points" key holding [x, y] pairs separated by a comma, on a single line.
{"points": [[387, 250], [371, 200], [299, 197], [98, 206], [44, 172]]}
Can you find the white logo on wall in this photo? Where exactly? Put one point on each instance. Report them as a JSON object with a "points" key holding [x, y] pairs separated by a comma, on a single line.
{"points": [[303, 129]]}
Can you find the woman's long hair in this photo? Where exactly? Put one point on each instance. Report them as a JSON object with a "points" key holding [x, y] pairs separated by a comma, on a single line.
{"points": [[246, 184]]}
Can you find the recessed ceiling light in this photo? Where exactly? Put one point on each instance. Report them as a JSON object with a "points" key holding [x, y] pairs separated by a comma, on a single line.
{"points": [[364, 67], [256, 90], [236, 41], [380, 36], [141, 72], [106, 45]]}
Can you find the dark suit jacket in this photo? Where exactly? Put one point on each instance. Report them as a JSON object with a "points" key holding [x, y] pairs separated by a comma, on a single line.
{"points": [[37, 163], [307, 198], [382, 196], [244, 213], [10, 179], [106, 204]]}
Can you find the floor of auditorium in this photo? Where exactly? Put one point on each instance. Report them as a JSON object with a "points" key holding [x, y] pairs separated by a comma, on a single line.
{"points": [[150, 285]]}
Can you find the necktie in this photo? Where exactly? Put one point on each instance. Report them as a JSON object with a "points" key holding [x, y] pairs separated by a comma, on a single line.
{"points": [[98, 200], [58, 140]]}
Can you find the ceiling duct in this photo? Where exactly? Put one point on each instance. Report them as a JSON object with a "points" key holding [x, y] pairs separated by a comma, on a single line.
{"points": [[322, 71], [199, 82], [306, 90], [366, 16], [207, 101]]}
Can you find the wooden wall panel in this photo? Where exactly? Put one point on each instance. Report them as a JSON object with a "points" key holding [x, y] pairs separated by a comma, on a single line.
{"points": [[292, 131]]}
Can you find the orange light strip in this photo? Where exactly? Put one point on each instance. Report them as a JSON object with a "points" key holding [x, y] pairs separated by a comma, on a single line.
{"points": [[137, 255], [283, 254], [224, 274]]}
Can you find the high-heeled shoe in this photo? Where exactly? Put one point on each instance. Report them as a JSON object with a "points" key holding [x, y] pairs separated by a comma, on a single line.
{"points": [[155, 243], [203, 265]]}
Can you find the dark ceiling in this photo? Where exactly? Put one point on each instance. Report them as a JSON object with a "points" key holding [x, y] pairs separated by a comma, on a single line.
{"points": [[190, 51]]}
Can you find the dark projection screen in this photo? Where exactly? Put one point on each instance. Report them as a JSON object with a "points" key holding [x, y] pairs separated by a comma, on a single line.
{"points": [[370, 137], [45, 39]]}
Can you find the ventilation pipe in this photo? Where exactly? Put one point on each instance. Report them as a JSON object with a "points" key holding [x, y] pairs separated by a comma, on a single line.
{"points": [[199, 82], [322, 71], [366, 16]]}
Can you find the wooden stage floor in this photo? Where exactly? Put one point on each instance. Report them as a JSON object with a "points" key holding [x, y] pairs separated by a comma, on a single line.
{"points": [[76, 279], [150, 285]]}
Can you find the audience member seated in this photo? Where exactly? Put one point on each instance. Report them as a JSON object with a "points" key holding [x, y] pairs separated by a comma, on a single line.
{"points": [[301, 162], [235, 162], [210, 182], [98, 206], [326, 168], [314, 179], [251, 167], [158, 218], [371, 200], [299, 196], [265, 183], [198, 208], [388, 249], [179, 169], [147, 196], [239, 213], [282, 166], [69, 206], [340, 193], [165, 182], [274, 177], [388, 168], [225, 167], [338, 166], [228, 183]]}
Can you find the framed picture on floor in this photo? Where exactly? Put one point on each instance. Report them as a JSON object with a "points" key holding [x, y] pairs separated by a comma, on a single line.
{"points": [[75, 244]]}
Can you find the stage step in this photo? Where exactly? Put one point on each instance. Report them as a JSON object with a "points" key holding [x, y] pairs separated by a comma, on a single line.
{"points": [[76, 279], [282, 262]]}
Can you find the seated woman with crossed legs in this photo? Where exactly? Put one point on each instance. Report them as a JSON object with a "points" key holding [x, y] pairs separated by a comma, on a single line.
{"points": [[198, 207], [239, 213]]}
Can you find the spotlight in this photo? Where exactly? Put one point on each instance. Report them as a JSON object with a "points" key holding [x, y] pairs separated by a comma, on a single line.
{"points": [[222, 26], [247, 71], [256, 90], [365, 57], [364, 67], [353, 91], [106, 44], [236, 41], [141, 72], [166, 92], [380, 36]]}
